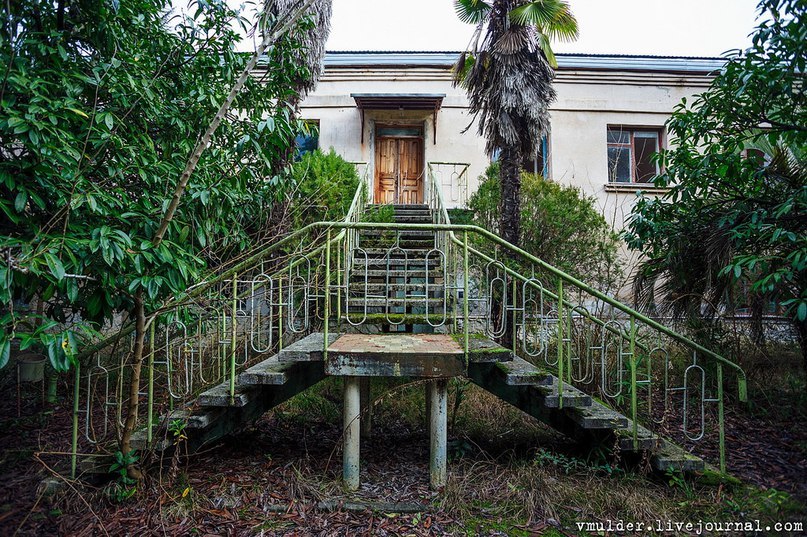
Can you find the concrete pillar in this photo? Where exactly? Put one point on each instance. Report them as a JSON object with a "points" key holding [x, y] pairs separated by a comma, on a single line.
{"points": [[366, 408], [428, 386], [352, 431], [438, 431]]}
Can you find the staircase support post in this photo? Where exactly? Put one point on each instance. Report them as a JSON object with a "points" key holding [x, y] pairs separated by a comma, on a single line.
{"points": [[366, 407], [438, 431], [352, 432]]}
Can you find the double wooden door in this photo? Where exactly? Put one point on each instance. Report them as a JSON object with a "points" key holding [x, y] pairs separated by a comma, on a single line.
{"points": [[399, 170]]}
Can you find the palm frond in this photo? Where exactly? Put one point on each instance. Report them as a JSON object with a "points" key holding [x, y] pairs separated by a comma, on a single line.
{"points": [[471, 11], [514, 39], [463, 66], [552, 18], [546, 48]]}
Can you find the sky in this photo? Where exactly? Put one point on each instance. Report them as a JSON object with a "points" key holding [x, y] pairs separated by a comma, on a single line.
{"points": [[655, 27]]}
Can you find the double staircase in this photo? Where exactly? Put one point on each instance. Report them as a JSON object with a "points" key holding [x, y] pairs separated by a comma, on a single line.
{"points": [[396, 308], [412, 295]]}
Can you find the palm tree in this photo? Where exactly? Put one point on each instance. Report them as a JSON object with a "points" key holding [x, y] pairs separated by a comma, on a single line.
{"points": [[507, 72]]}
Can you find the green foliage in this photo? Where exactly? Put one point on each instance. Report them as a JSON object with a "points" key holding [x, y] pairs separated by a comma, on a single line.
{"points": [[560, 225], [379, 214], [124, 486], [102, 106], [325, 186], [733, 219]]}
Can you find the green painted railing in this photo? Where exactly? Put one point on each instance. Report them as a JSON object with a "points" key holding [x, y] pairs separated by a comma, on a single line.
{"points": [[312, 284]]}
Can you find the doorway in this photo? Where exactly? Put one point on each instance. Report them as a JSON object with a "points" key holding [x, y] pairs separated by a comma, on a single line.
{"points": [[399, 164]]}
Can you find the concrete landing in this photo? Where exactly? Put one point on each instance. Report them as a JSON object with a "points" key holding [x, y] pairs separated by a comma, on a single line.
{"points": [[395, 355]]}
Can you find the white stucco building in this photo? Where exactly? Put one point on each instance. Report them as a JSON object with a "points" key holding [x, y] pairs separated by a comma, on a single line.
{"points": [[399, 114]]}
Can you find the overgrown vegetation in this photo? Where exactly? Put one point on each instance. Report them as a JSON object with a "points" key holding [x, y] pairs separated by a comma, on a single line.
{"points": [[731, 232], [561, 226], [106, 213], [324, 187]]}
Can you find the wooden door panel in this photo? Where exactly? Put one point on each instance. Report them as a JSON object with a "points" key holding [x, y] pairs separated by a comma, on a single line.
{"points": [[399, 170], [386, 172], [410, 170]]}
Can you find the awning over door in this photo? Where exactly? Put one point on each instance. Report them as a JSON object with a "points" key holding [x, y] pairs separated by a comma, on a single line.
{"points": [[399, 101]]}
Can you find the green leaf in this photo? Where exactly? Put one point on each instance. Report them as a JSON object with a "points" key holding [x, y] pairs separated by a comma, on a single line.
{"points": [[55, 266], [20, 201], [5, 350]]}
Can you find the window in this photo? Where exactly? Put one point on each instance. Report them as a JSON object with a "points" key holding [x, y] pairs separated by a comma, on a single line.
{"points": [[630, 152], [308, 140], [538, 163]]}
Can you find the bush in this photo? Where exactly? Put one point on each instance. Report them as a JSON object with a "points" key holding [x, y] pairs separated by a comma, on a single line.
{"points": [[325, 185], [559, 225]]}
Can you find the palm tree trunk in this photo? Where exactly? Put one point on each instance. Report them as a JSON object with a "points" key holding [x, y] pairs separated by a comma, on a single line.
{"points": [[510, 227], [510, 172]]}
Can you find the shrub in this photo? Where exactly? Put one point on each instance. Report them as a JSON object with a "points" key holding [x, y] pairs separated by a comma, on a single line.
{"points": [[324, 187], [560, 225]]}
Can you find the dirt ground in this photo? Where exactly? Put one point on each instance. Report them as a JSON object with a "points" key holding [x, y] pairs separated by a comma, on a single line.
{"points": [[509, 475]]}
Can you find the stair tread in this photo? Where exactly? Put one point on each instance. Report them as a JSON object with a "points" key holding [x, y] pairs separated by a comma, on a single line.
{"points": [[676, 458], [307, 349], [572, 397], [646, 439], [219, 395], [270, 371], [598, 416], [519, 372]]}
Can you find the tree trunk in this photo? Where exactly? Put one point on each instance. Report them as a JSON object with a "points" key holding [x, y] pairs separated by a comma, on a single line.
{"points": [[134, 383], [510, 226], [510, 175], [801, 329]]}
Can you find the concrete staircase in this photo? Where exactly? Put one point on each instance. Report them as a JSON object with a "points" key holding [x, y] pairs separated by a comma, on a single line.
{"points": [[391, 288]]}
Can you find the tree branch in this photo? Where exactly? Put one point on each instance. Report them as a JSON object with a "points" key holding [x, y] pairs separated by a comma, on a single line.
{"points": [[204, 143]]}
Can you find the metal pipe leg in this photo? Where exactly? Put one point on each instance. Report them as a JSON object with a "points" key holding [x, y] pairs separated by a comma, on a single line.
{"points": [[352, 428], [428, 387], [438, 427], [366, 408]]}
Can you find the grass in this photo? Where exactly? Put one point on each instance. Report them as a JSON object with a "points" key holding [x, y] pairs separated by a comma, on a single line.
{"points": [[508, 472]]}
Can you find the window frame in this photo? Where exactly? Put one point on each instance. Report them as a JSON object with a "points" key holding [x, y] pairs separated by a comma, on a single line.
{"points": [[658, 131], [313, 126]]}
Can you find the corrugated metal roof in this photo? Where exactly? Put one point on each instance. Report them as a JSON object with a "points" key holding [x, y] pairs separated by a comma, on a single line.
{"points": [[613, 62]]}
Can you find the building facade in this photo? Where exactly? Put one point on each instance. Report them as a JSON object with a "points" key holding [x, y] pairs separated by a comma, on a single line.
{"points": [[400, 118]]}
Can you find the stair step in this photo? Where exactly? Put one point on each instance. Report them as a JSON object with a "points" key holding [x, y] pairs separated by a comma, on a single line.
{"points": [[307, 349], [357, 289], [672, 457], [397, 263], [519, 372], [572, 397], [193, 419], [598, 416], [376, 318], [645, 438], [401, 274], [400, 253], [219, 396], [399, 302], [403, 234], [270, 371]]}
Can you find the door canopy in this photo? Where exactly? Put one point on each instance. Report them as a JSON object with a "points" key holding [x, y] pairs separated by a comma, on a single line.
{"points": [[399, 101]]}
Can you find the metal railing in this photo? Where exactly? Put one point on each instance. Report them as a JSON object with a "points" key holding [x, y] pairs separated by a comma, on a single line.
{"points": [[291, 287]]}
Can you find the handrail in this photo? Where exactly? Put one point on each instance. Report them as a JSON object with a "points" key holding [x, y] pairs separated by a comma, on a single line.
{"points": [[452, 228], [742, 379], [557, 272], [344, 235]]}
